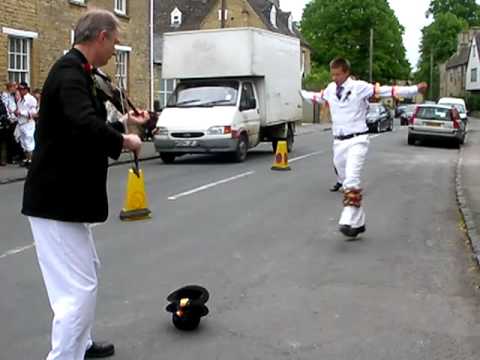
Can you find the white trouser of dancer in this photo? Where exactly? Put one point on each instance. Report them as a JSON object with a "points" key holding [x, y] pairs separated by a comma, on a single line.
{"points": [[349, 157], [69, 263]]}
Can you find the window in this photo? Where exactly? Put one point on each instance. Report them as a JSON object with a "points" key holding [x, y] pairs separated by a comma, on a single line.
{"points": [[166, 88], [225, 14], [474, 75], [121, 73], [176, 17], [273, 16], [290, 23], [78, 2], [19, 59], [247, 100], [121, 6]]}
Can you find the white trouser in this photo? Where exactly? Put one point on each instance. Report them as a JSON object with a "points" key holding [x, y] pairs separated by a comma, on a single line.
{"points": [[68, 261], [349, 157], [26, 135]]}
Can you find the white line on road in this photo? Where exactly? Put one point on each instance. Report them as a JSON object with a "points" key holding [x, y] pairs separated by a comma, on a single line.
{"points": [[16, 251], [208, 186], [306, 156]]}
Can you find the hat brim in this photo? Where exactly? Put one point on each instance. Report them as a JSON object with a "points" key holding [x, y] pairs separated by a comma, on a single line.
{"points": [[195, 293]]}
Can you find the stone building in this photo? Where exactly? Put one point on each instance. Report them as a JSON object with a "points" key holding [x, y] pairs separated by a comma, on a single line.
{"points": [[181, 15], [33, 34]]}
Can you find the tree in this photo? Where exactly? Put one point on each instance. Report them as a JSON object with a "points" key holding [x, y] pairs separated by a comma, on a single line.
{"points": [[439, 39], [342, 28], [463, 9]]}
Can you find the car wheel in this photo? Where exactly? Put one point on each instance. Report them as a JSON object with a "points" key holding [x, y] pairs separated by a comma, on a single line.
{"points": [[240, 153], [390, 127], [168, 158], [411, 140]]}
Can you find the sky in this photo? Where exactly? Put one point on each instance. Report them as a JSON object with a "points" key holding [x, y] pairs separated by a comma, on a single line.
{"points": [[410, 13]]}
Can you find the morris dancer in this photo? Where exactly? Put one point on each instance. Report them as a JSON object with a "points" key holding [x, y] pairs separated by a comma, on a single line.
{"points": [[348, 101]]}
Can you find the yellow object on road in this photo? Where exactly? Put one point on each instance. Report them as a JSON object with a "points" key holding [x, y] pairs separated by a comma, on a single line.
{"points": [[136, 203], [281, 157]]}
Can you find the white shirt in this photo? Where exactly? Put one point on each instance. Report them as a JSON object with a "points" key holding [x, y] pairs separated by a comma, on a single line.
{"points": [[27, 106], [349, 113], [11, 105]]}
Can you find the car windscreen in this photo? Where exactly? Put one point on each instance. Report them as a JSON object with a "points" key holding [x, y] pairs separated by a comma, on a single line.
{"points": [[433, 113], [459, 107], [195, 94], [372, 109]]}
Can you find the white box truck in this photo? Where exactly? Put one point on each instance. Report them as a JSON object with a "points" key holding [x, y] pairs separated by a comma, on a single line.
{"points": [[235, 88]]}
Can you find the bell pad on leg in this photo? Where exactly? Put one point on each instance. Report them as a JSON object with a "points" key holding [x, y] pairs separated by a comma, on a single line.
{"points": [[352, 197]]}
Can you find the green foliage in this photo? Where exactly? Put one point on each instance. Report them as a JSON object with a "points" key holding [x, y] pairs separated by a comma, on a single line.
{"points": [[342, 28], [318, 79], [473, 102], [463, 9], [440, 39]]}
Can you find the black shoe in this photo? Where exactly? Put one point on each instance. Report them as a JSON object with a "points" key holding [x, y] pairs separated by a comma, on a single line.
{"points": [[347, 230], [336, 187], [100, 350]]}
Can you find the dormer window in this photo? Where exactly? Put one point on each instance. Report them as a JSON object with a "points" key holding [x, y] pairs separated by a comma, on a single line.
{"points": [[176, 17], [290, 23], [273, 16]]}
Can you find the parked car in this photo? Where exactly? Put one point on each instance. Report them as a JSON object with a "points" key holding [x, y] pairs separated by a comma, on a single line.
{"points": [[400, 109], [407, 114], [459, 105], [437, 122], [379, 118]]}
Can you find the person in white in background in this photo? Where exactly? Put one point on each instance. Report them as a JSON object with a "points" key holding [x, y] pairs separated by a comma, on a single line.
{"points": [[26, 109], [348, 101]]}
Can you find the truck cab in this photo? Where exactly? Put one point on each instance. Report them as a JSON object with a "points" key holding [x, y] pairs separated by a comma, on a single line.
{"points": [[209, 116]]}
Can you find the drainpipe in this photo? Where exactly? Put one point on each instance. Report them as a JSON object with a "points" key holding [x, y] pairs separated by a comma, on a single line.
{"points": [[151, 57], [222, 13]]}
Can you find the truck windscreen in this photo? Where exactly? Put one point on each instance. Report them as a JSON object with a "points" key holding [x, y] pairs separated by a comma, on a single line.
{"points": [[205, 94]]}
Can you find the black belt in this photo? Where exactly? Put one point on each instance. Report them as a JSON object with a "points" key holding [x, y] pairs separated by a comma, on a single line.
{"points": [[349, 136]]}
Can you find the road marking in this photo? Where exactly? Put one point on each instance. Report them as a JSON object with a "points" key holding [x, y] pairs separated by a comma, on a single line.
{"points": [[208, 186], [16, 251], [306, 156]]}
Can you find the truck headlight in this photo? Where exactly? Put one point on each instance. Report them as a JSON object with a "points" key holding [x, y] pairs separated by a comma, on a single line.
{"points": [[219, 130], [160, 131]]}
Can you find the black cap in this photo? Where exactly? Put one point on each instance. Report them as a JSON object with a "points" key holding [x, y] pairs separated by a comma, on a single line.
{"points": [[23, 85], [187, 306]]}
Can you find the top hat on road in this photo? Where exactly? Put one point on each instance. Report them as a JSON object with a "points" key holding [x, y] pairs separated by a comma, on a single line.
{"points": [[187, 306]]}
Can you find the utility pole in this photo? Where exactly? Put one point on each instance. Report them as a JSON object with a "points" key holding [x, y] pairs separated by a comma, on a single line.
{"points": [[222, 14], [431, 74], [371, 57]]}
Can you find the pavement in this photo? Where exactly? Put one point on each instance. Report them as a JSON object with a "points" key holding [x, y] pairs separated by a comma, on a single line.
{"points": [[468, 185], [15, 173]]}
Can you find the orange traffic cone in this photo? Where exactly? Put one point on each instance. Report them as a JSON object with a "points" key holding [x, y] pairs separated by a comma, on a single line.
{"points": [[281, 157]]}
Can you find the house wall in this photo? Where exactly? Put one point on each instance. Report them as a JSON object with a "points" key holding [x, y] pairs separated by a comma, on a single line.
{"points": [[54, 20], [473, 63]]}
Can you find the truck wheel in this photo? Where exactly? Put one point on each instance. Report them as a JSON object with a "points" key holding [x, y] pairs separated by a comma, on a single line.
{"points": [[240, 153], [411, 140], [167, 158], [290, 140]]}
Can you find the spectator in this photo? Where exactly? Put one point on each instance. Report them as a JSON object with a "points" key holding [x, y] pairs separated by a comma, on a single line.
{"points": [[26, 108]]}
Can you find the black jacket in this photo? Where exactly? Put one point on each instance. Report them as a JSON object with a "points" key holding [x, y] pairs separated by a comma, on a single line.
{"points": [[68, 175]]}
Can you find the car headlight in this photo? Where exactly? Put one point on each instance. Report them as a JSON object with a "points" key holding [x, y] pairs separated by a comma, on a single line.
{"points": [[219, 130]]}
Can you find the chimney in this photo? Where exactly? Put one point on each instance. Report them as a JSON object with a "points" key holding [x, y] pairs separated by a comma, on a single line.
{"points": [[275, 2]]}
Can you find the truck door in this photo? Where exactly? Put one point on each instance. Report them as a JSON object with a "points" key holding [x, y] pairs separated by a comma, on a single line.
{"points": [[250, 112]]}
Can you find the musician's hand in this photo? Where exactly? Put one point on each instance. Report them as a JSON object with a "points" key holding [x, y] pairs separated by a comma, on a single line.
{"points": [[132, 142], [139, 119], [422, 87]]}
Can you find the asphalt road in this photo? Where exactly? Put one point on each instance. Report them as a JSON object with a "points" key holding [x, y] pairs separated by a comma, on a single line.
{"points": [[284, 283]]}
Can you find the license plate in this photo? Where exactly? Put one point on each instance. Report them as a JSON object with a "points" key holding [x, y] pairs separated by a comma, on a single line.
{"points": [[186, 143], [436, 124]]}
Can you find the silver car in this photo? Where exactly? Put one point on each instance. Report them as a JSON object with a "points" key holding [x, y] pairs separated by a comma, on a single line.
{"points": [[437, 122]]}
